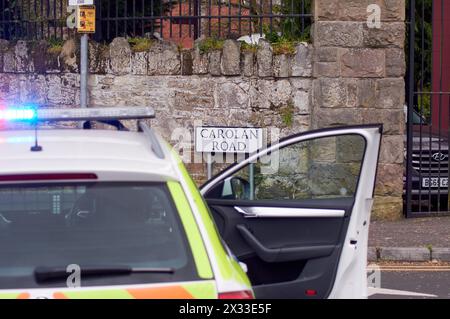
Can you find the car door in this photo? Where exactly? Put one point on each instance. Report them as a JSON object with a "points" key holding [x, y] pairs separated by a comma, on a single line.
{"points": [[297, 213]]}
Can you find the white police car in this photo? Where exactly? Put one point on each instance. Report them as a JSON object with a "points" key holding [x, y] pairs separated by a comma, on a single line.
{"points": [[90, 213]]}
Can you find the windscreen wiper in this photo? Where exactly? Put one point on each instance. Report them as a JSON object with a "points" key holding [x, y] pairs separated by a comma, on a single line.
{"points": [[43, 274]]}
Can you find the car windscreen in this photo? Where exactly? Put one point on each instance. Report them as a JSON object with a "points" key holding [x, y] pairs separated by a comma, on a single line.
{"points": [[100, 225]]}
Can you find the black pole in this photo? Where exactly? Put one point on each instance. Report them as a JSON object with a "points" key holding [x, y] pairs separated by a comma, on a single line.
{"points": [[98, 36], [409, 136], [197, 21]]}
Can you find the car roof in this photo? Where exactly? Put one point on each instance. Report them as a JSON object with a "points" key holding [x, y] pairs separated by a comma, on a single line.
{"points": [[114, 155]]}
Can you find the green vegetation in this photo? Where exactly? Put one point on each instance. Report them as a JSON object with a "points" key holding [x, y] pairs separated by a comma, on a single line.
{"points": [[287, 114], [284, 46], [291, 29], [285, 42], [55, 45], [424, 103], [245, 47], [140, 44], [180, 47], [423, 46], [210, 44], [283, 33]]}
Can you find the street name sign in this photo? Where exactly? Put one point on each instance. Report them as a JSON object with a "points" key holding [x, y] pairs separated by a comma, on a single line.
{"points": [[222, 139]]}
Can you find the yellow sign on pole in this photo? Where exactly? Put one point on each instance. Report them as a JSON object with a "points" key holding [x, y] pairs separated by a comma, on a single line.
{"points": [[86, 19]]}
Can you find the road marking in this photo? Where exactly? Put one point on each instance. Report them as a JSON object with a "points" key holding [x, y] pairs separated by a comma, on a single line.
{"points": [[383, 291], [421, 268]]}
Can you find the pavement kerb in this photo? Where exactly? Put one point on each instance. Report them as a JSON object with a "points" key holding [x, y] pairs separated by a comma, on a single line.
{"points": [[412, 254]]}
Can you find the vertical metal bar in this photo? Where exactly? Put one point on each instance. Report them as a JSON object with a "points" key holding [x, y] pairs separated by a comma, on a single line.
{"points": [[3, 24], [448, 146], [51, 18], [291, 18], [440, 103], [170, 19], [27, 6], [260, 17], [229, 17], [61, 23], [35, 19], [28, 20], [98, 21], [303, 16], [83, 70], [209, 166], [180, 8], [134, 18], [12, 22], [9, 25], [15, 22], [220, 20], [429, 159], [189, 20], [251, 177], [198, 19], [161, 12], [125, 14], [17, 19], [47, 18], [409, 137], [209, 18], [421, 106], [108, 21], [271, 16], [240, 17], [20, 17], [25, 19], [430, 126], [250, 31], [42, 21], [55, 27], [116, 19], [151, 18]]}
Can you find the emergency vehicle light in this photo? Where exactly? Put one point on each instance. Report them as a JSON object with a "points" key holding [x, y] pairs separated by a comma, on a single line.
{"points": [[84, 114], [95, 114], [20, 114]]}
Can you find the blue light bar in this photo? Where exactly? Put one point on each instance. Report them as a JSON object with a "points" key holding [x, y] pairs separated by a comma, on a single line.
{"points": [[95, 113], [77, 114], [17, 114]]}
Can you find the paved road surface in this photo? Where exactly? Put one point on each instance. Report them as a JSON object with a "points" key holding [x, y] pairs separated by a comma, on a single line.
{"points": [[425, 281]]}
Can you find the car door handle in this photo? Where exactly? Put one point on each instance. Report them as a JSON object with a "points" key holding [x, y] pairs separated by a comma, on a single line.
{"points": [[284, 253], [245, 212]]}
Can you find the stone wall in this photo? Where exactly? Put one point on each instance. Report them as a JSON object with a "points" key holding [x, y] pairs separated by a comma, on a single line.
{"points": [[224, 87], [358, 78], [351, 74]]}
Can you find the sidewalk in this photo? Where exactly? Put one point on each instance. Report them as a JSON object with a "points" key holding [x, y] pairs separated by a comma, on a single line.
{"points": [[416, 239]]}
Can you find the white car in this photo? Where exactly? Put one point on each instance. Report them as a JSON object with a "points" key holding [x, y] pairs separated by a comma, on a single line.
{"points": [[90, 213]]}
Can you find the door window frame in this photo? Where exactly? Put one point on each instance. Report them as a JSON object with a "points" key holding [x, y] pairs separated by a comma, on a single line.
{"points": [[287, 141]]}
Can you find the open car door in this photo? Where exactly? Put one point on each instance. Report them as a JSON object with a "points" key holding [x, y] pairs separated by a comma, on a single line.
{"points": [[297, 213]]}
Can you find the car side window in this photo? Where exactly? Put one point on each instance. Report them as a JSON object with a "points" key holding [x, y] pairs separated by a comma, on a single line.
{"points": [[326, 167]]}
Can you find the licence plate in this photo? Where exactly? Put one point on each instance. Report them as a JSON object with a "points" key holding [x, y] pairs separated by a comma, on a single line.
{"points": [[441, 182]]}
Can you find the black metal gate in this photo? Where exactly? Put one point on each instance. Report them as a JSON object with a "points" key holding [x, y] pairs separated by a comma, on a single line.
{"points": [[428, 101], [181, 21]]}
